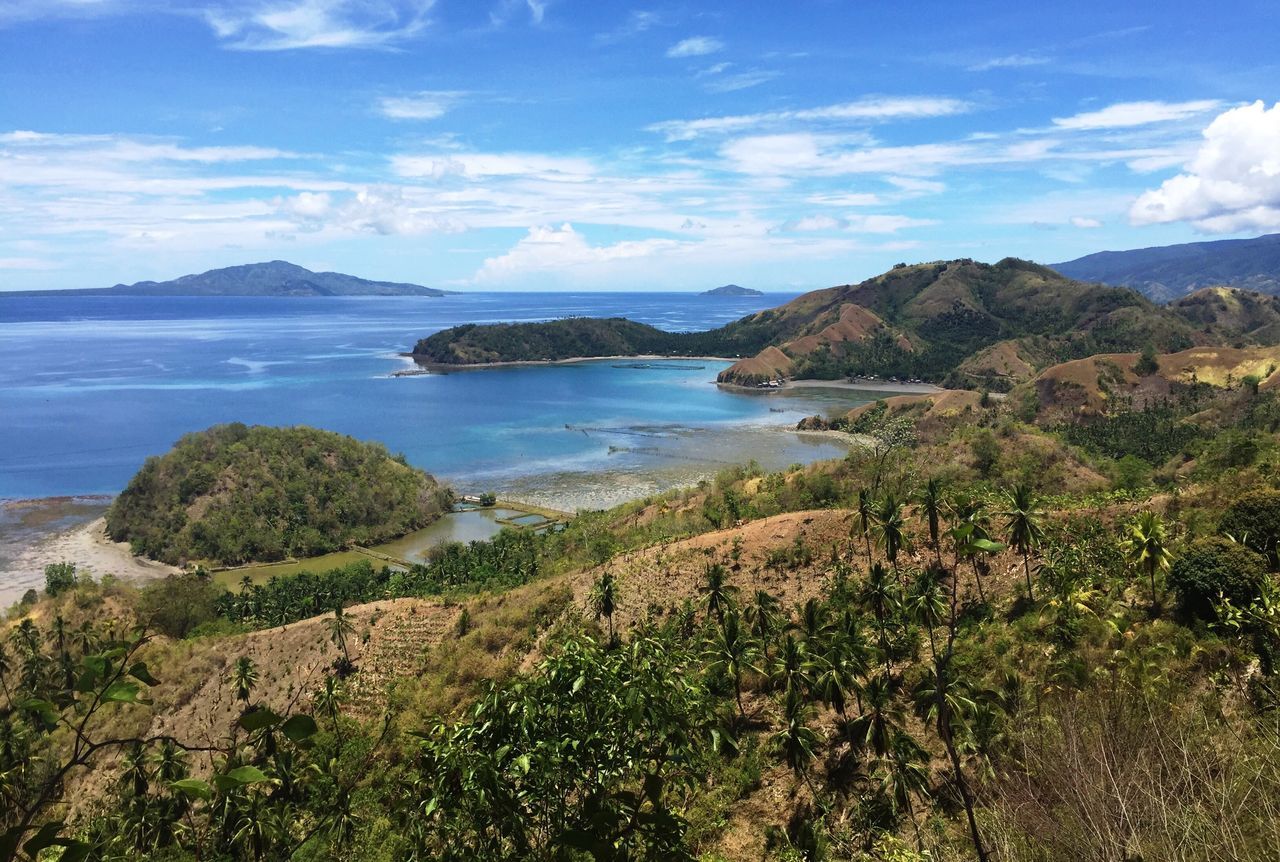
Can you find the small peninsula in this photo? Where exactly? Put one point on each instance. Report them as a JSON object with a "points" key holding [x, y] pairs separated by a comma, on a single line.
{"points": [[732, 290], [273, 278], [234, 493]]}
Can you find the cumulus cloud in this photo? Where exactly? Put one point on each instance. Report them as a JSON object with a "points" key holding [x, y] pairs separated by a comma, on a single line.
{"points": [[555, 249], [1233, 181], [1083, 222], [1126, 114], [479, 165], [424, 105], [382, 210], [695, 46]]}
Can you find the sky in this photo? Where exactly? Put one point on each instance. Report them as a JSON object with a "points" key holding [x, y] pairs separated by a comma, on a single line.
{"points": [[589, 144]]}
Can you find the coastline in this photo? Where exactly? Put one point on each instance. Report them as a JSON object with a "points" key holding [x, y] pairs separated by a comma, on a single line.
{"points": [[444, 367], [88, 547], [859, 386]]}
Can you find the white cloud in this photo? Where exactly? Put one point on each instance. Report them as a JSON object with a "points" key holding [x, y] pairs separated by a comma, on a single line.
{"points": [[877, 223], [480, 165], [695, 46], [1086, 223], [1126, 114], [1011, 61], [28, 264], [279, 25], [554, 249], [849, 199], [739, 81], [424, 105], [829, 155], [383, 210], [1231, 184], [875, 109]]}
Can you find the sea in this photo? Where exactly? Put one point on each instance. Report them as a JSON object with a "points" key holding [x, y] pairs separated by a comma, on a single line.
{"points": [[90, 386]]}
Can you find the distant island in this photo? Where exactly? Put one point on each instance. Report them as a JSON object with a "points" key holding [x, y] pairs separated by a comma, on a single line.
{"points": [[732, 290], [273, 278], [1165, 273]]}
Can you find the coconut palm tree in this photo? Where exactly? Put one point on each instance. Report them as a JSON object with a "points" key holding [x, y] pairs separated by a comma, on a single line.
{"points": [[244, 677], [892, 529], [604, 596], [880, 594], [717, 594], [1146, 547], [1023, 524], [929, 504], [763, 620], [791, 666], [865, 518], [904, 771], [732, 652], [881, 716], [340, 626], [796, 741]]}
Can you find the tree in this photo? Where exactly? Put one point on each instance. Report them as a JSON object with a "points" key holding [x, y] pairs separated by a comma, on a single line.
{"points": [[1147, 363], [796, 741], [986, 452], [340, 628], [1216, 568], [244, 677], [892, 529], [1254, 520], [1024, 527], [1145, 546], [59, 577], [865, 518], [717, 594], [929, 503], [880, 594], [731, 652], [763, 619], [604, 597]]}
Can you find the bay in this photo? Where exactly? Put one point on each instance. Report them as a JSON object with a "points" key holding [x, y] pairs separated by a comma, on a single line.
{"points": [[92, 385]]}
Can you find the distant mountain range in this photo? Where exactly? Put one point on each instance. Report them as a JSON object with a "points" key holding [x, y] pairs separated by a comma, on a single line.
{"points": [[1167, 272], [274, 278], [732, 290]]}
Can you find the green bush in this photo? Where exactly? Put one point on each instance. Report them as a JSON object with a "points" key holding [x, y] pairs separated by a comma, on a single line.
{"points": [[1254, 520], [179, 604], [59, 577], [1216, 567]]}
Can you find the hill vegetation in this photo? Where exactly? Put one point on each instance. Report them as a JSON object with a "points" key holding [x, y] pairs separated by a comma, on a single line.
{"points": [[732, 290], [962, 323], [920, 652], [1165, 273], [234, 493]]}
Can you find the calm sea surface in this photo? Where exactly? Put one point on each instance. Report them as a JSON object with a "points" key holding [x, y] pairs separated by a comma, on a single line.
{"points": [[90, 386]]}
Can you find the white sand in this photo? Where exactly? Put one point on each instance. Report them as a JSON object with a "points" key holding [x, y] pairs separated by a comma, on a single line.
{"points": [[89, 548]]}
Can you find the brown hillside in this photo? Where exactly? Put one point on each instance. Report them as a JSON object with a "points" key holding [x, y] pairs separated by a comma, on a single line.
{"points": [[1092, 386]]}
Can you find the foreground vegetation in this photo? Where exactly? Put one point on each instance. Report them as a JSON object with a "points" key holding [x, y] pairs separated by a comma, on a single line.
{"points": [[977, 640], [235, 493]]}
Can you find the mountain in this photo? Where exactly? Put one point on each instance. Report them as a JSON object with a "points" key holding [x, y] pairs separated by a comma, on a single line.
{"points": [[732, 290], [274, 278], [966, 323], [1168, 272]]}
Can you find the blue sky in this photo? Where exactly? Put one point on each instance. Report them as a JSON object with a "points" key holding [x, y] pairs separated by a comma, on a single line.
{"points": [[566, 144]]}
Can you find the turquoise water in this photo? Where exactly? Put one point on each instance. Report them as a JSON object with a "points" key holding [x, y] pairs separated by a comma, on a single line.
{"points": [[91, 386]]}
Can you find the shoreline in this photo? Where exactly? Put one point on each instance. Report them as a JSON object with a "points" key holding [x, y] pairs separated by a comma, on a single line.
{"points": [[444, 367], [859, 386]]}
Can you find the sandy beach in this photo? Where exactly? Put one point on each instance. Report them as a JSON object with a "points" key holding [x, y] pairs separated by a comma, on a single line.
{"points": [[88, 547]]}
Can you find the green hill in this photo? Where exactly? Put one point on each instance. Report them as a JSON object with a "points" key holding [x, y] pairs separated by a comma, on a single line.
{"points": [[235, 493]]}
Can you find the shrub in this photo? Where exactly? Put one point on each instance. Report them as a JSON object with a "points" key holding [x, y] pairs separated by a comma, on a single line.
{"points": [[1254, 520], [59, 577], [181, 603], [1147, 363], [1213, 567], [986, 452]]}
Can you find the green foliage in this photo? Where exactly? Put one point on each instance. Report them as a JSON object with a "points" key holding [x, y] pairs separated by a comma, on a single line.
{"points": [[59, 577], [1147, 363], [1254, 520], [986, 452], [1154, 435], [1216, 567], [178, 604], [233, 493]]}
